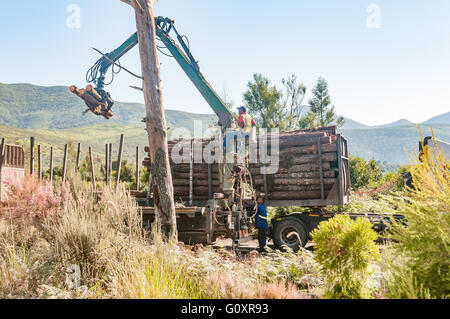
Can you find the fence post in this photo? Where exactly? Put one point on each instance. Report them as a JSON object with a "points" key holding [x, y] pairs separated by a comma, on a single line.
{"points": [[137, 169], [51, 164], [119, 164], [110, 163], [39, 163], [32, 155], [65, 163], [106, 164], [92, 168], [77, 165]]}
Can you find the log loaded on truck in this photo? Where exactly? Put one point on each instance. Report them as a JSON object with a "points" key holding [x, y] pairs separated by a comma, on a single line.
{"points": [[216, 197]]}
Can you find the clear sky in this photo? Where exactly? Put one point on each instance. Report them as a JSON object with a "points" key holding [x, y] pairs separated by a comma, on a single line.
{"points": [[381, 64]]}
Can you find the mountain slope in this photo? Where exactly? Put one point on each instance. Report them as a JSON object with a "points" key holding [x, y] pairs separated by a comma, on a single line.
{"points": [[35, 107], [440, 119]]}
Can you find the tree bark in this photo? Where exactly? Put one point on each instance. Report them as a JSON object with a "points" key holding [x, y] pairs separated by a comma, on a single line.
{"points": [[156, 122]]}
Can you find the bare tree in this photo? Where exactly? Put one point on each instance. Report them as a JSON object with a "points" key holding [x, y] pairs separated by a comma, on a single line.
{"points": [[156, 123]]}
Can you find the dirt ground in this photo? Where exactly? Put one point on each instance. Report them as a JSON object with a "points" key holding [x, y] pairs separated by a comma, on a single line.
{"points": [[248, 246]]}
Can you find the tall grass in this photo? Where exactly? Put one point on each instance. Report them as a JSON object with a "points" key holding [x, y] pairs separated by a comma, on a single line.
{"points": [[102, 234]]}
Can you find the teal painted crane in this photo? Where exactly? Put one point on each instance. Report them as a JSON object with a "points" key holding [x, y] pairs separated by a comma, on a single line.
{"points": [[100, 102]]}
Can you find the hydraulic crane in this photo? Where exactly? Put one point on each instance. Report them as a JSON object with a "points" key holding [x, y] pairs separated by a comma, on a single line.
{"points": [[232, 205], [100, 102]]}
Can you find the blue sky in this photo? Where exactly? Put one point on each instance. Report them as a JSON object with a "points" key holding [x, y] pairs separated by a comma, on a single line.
{"points": [[376, 76]]}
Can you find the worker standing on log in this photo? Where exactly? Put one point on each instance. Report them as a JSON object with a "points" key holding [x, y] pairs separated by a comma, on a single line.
{"points": [[261, 223], [247, 133], [245, 121]]}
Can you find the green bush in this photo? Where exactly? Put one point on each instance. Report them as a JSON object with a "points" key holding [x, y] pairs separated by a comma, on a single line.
{"points": [[364, 173], [344, 248]]}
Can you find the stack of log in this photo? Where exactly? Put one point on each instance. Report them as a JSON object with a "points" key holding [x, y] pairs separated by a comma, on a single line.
{"points": [[181, 170], [299, 176]]}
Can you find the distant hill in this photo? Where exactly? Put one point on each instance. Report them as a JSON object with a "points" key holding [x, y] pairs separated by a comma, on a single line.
{"points": [[35, 107], [440, 119], [391, 143], [398, 123]]}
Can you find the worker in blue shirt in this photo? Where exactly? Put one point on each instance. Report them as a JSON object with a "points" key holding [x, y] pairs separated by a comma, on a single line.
{"points": [[261, 223]]}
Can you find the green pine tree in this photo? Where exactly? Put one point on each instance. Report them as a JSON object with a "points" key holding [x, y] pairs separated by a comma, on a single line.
{"points": [[321, 113]]}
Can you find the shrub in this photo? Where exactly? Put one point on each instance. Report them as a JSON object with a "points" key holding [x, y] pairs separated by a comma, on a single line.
{"points": [[344, 248], [423, 244], [364, 173], [32, 200]]}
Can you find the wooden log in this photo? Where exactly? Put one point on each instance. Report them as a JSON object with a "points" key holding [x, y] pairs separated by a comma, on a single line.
{"points": [[327, 174], [309, 149], [296, 160], [90, 89], [165, 213], [200, 190], [181, 175], [310, 167], [196, 182], [297, 181], [289, 188], [295, 195]]}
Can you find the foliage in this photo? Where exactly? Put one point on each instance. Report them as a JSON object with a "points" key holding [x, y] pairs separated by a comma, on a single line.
{"points": [[294, 96], [364, 173], [274, 108], [423, 243], [31, 200], [264, 102], [321, 111], [344, 249]]}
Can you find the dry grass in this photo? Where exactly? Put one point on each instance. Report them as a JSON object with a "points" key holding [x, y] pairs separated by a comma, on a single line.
{"points": [[104, 237]]}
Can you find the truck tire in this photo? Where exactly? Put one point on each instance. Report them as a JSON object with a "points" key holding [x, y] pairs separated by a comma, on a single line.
{"points": [[290, 232]]}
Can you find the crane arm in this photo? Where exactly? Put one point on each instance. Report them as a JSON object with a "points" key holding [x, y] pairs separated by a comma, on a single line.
{"points": [[184, 58]]}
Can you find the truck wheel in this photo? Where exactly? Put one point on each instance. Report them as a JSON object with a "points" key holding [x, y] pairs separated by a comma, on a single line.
{"points": [[290, 232]]}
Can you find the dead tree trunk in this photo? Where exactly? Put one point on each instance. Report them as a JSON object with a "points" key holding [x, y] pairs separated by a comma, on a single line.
{"points": [[156, 122]]}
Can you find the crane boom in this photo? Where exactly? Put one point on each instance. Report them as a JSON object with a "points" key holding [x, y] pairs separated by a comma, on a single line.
{"points": [[184, 58]]}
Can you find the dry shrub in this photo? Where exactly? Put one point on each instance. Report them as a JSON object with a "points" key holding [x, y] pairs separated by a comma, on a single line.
{"points": [[31, 201], [91, 232]]}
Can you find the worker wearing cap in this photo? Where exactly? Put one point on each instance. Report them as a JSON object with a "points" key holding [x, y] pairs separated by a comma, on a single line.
{"points": [[245, 121], [247, 133]]}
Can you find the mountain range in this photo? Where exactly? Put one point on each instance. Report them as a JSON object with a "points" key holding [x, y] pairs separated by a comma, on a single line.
{"points": [[54, 116]]}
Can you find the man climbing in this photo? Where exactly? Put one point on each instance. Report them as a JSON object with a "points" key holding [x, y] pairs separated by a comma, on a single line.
{"points": [[245, 121], [247, 133], [261, 223]]}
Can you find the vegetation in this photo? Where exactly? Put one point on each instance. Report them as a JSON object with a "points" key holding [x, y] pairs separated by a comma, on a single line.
{"points": [[321, 112], [273, 108], [66, 242], [420, 266], [345, 249]]}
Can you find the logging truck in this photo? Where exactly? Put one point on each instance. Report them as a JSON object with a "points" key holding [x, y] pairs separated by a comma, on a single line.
{"points": [[216, 193]]}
